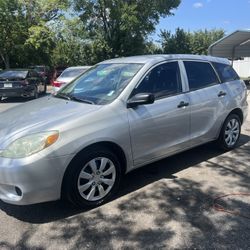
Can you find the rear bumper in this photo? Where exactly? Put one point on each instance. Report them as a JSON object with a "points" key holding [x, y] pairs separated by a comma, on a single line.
{"points": [[17, 92]]}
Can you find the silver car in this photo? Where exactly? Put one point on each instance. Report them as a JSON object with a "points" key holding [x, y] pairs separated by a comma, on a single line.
{"points": [[119, 115]]}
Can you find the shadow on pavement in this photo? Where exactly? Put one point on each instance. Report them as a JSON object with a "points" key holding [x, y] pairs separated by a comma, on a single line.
{"points": [[164, 169], [156, 208]]}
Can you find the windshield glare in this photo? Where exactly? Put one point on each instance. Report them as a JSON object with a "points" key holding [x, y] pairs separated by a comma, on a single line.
{"points": [[102, 83]]}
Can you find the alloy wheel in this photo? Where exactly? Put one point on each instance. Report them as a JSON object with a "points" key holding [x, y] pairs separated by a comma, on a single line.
{"points": [[96, 179], [232, 131]]}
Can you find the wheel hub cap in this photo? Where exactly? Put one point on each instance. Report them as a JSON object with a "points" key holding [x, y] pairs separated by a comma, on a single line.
{"points": [[232, 132], [96, 179]]}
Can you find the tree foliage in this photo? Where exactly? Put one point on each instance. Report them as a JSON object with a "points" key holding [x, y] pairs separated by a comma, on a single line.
{"points": [[183, 42], [25, 36], [178, 43], [122, 25], [84, 32], [73, 46], [12, 29]]}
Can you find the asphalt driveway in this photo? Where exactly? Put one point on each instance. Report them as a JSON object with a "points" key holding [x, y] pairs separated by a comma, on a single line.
{"points": [[168, 204]]}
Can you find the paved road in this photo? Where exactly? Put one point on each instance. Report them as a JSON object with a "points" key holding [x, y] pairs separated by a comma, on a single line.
{"points": [[167, 204]]}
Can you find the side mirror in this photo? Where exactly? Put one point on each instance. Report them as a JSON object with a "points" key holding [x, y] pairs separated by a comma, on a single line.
{"points": [[140, 99]]}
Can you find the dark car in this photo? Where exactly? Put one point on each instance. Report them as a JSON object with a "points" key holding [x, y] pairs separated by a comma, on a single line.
{"points": [[44, 71], [21, 82]]}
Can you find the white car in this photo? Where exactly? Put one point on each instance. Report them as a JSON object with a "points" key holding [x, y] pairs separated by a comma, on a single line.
{"points": [[67, 76]]}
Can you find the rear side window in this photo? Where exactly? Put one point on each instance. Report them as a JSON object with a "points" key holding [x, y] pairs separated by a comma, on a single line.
{"points": [[200, 74], [226, 72]]}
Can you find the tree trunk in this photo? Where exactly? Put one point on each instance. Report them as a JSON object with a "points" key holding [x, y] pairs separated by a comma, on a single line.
{"points": [[6, 61]]}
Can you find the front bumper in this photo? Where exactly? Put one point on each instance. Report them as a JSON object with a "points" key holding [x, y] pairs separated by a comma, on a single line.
{"points": [[31, 180]]}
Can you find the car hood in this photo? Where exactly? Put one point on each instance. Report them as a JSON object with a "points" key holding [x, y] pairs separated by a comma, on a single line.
{"points": [[39, 115]]}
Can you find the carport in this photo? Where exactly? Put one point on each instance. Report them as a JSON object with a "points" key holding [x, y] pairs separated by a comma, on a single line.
{"points": [[232, 46]]}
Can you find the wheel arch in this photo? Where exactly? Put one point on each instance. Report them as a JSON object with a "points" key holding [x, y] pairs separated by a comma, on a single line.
{"points": [[115, 148], [236, 111], [239, 112]]}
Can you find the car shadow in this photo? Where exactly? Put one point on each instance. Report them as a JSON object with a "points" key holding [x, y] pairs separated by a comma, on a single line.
{"points": [[164, 169]]}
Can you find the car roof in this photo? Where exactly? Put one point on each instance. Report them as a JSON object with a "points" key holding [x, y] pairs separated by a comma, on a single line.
{"points": [[37, 66], [158, 58], [78, 67]]}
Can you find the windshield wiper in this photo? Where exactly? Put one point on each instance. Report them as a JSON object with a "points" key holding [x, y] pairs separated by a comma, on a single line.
{"points": [[74, 98], [63, 96]]}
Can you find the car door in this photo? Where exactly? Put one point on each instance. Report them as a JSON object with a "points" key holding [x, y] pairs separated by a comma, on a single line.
{"points": [[161, 128], [207, 101]]}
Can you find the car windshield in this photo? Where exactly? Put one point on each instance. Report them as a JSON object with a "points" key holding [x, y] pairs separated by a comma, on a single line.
{"points": [[72, 72], [101, 84], [13, 74]]}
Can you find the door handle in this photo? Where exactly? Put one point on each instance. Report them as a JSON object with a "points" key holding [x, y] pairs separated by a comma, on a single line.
{"points": [[222, 93], [182, 104]]}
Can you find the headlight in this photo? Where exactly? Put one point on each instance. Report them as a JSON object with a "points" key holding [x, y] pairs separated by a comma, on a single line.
{"points": [[30, 144]]}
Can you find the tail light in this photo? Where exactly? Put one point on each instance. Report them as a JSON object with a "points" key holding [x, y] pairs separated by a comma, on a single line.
{"points": [[57, 84]]}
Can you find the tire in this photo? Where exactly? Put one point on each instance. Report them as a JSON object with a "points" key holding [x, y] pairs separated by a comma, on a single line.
{"points": [[35, 94], [84, 184], [231, 128], [45, 89]]}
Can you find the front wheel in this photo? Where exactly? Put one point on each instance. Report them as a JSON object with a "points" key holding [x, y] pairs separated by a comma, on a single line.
{"points": [[93, 178], [230, 132]]}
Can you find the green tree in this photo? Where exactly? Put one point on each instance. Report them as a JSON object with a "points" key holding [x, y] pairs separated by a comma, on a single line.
{"points": [[73, 47], [120, 28], [178, 43], [201, 40], [182, 42], [12, 29], [25, 33]]}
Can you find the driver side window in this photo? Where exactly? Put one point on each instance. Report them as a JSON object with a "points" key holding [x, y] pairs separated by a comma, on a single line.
{"points": [[164, 80]]}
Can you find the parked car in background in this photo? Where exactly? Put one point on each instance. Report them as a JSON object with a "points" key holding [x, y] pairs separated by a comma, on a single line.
{"points": [[44, 71], [68, 75], [21, 83], [119, 115], [58, 71]]}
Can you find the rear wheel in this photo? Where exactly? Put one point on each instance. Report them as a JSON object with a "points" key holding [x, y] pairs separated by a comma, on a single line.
{"points": [[35, 93], [230, 132], [92, 178], [45, 88]]}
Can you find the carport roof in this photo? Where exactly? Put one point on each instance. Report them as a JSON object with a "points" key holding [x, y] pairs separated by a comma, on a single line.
{"points": [[234, 45]]}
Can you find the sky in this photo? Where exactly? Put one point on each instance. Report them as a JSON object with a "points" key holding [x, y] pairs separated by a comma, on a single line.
{"points": [[192, 15]]}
